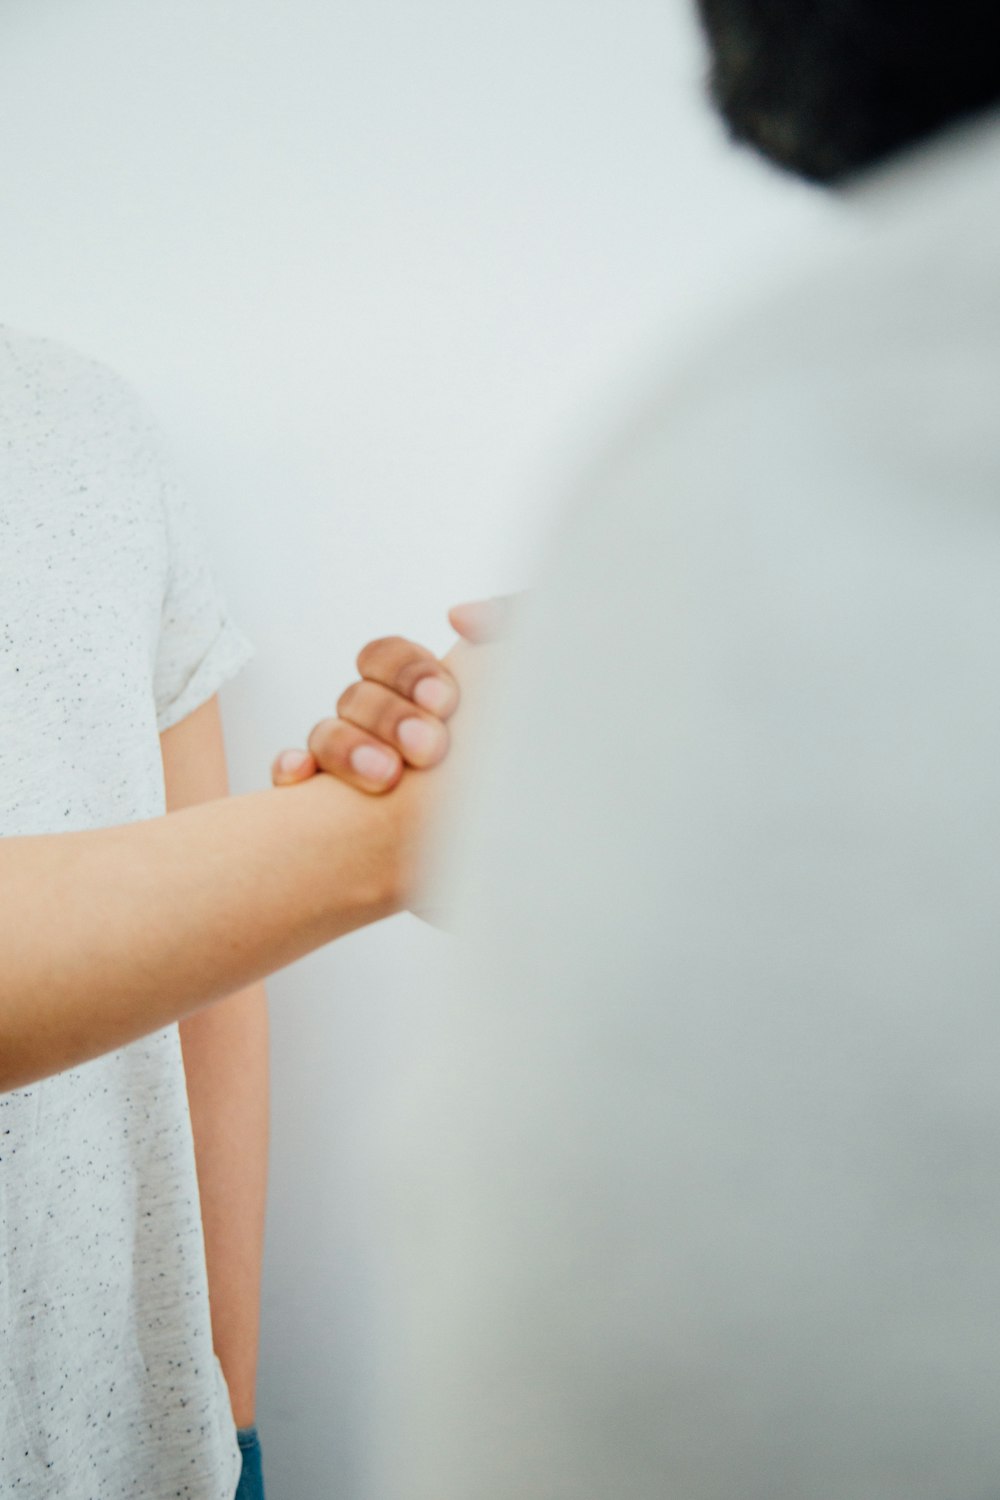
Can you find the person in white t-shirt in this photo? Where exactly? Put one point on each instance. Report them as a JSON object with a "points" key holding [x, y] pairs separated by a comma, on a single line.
{"points": [[127, 1366]]}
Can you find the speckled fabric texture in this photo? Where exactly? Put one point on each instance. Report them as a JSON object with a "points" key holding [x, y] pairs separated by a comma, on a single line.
{"points": [[110, 631]]}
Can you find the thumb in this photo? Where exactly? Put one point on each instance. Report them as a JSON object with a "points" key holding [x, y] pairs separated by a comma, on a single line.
{"points": [[484, 620]]}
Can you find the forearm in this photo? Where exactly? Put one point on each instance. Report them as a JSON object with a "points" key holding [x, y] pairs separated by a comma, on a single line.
{"points": [[109, 935], [226, 1062]]}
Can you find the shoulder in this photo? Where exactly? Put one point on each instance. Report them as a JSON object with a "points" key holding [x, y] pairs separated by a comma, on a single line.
{"points": [[38, 371], [75, 432], [53, 397], [897, 327], [778, 514], [861, 395]]}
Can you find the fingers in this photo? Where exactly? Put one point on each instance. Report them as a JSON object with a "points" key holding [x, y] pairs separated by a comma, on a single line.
{"points": [[392, 718], [343, 750], [482, 621], [420, 737], [292, 766], [412, 672]]}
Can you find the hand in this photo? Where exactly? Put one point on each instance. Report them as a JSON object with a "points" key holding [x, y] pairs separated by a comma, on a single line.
{"points": [[395, 716], [421, 813]]}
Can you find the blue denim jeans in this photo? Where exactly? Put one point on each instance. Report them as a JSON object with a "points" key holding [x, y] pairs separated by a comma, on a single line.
{"points": [[252, 1478]]}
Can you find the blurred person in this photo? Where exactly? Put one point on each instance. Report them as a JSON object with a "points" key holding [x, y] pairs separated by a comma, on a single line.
{"points": [[133, 1150], [698, 1174]]}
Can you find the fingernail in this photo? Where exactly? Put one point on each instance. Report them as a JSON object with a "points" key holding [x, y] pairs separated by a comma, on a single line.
{"points": [[418, 737], [292, 760], [372, 763], [434, 694]]}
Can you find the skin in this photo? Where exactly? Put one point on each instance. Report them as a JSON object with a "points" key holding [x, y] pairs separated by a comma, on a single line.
{"points": [[392, 717], [399, 667], [225, 1046], [159, 918]]}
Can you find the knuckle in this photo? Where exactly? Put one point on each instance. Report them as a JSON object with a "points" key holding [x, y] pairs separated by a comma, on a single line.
{"points": [[411, 664], [390, 712], [411, 671], [323, 742], [348, 697], [378, 651], [362, 704]]}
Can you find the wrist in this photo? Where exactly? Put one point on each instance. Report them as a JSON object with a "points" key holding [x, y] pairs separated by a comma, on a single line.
{"points": [[369, 831]]}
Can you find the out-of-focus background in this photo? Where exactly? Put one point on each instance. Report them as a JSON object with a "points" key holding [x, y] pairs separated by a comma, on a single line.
{"points": [[386, 273]]}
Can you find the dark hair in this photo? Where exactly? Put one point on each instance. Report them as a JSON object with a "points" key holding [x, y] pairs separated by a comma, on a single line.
{"points": [[828, 87]]}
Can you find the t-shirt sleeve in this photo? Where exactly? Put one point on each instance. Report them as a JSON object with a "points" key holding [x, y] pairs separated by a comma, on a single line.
{"points": [[199, 645]]}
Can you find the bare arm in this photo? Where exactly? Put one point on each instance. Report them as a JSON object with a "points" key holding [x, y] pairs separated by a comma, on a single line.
{"points": [[109, 935], [226, 1063]]}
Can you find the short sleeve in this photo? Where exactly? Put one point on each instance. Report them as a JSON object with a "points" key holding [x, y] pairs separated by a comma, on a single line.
{"points": [[199, 646]]}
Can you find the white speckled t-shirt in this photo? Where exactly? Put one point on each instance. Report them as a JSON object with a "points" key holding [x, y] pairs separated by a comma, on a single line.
{"points": [[110, 631]]}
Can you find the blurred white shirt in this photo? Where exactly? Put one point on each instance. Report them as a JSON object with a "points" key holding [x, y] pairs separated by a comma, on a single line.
{"points": [[702, 1198]]}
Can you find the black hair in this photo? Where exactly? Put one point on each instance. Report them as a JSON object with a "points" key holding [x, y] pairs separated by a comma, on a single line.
{"points": [[827, 88]]}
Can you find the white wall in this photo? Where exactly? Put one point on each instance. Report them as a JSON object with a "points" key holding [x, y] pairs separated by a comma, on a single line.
{"points": [[366, 261]]}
